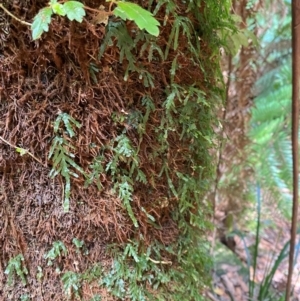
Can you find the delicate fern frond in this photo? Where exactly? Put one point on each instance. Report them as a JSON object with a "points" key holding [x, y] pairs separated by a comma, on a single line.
{"points": [[117, 34], [69, 123], [16, 265], [71, 283], [58, 249], [62, 157], [124, 190], [97, 169]]}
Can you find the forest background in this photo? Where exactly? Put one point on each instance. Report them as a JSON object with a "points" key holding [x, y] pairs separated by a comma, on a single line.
{"points": [[121, 146]]}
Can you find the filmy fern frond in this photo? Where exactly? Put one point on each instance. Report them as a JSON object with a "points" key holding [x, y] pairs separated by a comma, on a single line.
{"points": [[62, 157], [69, 123], [97, 169], [124, 190], [16, 265]]}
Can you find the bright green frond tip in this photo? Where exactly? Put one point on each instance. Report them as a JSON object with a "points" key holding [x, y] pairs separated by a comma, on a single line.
{"points": [[143, 18]]}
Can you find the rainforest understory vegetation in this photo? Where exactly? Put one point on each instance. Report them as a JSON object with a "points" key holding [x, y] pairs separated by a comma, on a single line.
{"points": [[125, 129]]}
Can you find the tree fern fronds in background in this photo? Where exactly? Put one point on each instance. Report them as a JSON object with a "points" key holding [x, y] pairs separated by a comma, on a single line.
{"points": [[270, 151], [276, 77]]}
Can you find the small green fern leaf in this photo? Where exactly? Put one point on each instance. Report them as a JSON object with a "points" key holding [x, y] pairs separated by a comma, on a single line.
{"points": [[62, 157]]}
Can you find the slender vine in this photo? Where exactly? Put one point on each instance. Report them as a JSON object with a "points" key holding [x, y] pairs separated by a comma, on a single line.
{"points": [[13, 16], [22, 151]]}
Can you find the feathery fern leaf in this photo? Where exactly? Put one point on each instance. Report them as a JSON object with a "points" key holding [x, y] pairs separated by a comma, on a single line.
{"points": [[270, 133]]}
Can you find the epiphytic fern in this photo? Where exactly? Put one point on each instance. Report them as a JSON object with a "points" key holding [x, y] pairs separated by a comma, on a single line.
{"points": [[125, 154], [62, 156], [16, 265]]}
